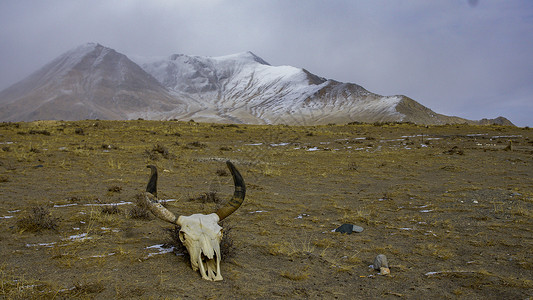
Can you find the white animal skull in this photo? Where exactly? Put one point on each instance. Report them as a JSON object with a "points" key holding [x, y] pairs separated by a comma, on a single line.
{"points": [[200, 233]]}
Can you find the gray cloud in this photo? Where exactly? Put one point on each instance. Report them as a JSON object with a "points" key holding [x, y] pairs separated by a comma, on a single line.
{"points": [[467, 58]]}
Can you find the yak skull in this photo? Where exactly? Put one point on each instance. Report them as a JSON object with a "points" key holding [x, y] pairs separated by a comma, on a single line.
{"points": [[200, 233]]}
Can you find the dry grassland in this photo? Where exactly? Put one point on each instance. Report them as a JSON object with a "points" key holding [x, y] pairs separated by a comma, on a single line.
{"points": [[450, 206]]}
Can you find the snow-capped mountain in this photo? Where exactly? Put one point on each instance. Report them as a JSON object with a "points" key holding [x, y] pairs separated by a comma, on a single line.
{"points": [[244, 88], [93, 81]]}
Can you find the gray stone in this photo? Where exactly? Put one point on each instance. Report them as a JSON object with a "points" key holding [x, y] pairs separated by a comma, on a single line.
{"points": [[380, 261], [357, 228], [349, 228]]}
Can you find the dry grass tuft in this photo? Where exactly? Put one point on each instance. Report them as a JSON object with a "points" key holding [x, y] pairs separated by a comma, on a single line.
{"points": [[39, 219], [140, 210], [111, 209], [433, 249], [87, 288], [197, 144], [454, 150], [158, 150], [207, 197], [227, 249], [137, 212], [293, 248], [114, 189], [296, 276], [222, 172], [79, 131], [43, 132], [161, 150]]}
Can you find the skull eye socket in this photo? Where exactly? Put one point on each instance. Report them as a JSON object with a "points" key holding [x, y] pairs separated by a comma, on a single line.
{"points": [[182, 236]]}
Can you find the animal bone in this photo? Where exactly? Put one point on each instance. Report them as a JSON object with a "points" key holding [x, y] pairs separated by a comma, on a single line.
{"points": [[200, 233]]}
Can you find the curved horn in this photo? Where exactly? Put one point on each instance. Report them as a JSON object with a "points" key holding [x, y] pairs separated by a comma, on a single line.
{"points": [[152, 183], [238, 196], [151, 202]]}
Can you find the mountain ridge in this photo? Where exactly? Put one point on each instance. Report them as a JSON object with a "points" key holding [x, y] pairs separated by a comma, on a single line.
{"points": [[93, 81]]}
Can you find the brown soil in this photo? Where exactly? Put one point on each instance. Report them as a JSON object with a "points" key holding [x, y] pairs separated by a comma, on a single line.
{"points": [[450, 206]]}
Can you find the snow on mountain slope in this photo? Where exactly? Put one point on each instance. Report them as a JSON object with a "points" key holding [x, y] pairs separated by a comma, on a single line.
{"points": [[245, 88], [229, 76], [93, 81]]}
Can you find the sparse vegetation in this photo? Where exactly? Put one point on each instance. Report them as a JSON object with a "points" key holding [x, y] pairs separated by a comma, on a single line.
{"points": [[207, 197], [222, 172], [139, 210], [111, 209], [197, 144], [39, 219], [446, 201], [43, 132], [156, 151], [161, 150], [114, 189], [227, 245]]}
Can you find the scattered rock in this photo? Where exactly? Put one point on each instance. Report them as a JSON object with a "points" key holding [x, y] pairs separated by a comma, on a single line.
{"points": [[358, 228], [381, 263], [509, 146], [349, 228], [454, 150]]}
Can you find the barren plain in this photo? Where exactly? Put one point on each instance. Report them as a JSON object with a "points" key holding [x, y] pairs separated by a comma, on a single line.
{"points": [[450, 206]]}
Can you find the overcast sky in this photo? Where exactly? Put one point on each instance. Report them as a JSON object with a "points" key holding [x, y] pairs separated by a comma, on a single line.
{"points": [[468, 58]]}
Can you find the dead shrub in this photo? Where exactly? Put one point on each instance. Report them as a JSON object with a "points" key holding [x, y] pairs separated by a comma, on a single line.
{"points": [[227, 249], [173, 134], [34, 150], [353, 166], [156, 151], [43, 132], [454, 150], [161, 150], [39, 219], [140, 210], [207, 197], [115, 189], [87, 288], [222, 172], [137, 212], [111, 209], [174, 240], [197, 144], [151, 155]]}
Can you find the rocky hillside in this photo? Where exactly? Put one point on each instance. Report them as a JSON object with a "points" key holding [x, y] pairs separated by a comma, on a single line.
{"points": [[89, 82], [96, 82]]}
